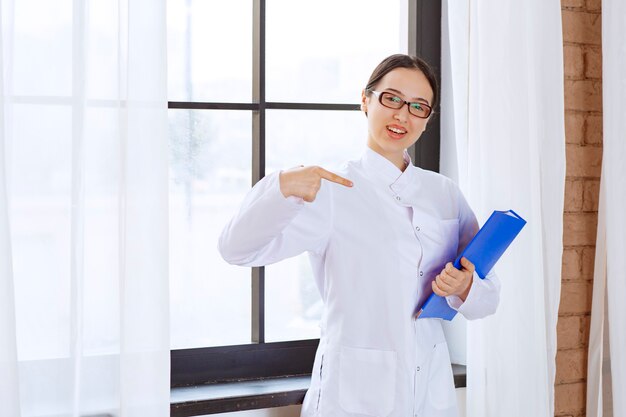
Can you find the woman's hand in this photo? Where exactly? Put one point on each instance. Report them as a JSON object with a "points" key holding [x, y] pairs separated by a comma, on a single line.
{"points": [[305, 182], [452, 281]]}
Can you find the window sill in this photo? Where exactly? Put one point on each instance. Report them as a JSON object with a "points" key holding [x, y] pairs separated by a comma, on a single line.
{"points": [[249, 395]]}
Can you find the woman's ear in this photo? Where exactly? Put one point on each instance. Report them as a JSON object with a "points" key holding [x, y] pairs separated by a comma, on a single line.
{"points": [[363, 102]]}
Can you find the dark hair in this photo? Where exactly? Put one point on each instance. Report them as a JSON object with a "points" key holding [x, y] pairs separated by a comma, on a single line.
{"points": [[404, 61]]}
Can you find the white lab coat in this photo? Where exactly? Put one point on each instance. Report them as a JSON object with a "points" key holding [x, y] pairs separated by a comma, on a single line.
{"points": [[374, 248]]}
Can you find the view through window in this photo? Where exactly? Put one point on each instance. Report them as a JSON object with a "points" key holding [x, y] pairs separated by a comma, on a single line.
{"points": [[314, 54]]}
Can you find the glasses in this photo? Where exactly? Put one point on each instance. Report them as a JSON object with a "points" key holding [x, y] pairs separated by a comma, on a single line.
{"points": [[392, 101]]}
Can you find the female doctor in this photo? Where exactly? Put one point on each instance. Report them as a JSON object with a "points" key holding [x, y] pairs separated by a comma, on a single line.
{"points": [[381, 235]]}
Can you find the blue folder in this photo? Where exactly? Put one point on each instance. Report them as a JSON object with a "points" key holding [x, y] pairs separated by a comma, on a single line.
{"points": [[483, 251]]}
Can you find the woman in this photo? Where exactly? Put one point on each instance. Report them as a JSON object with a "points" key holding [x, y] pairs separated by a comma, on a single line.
{"points": [[381, 234]]}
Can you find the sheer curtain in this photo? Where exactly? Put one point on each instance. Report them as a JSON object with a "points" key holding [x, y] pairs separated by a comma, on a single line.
{"points": [[606, 376], [83, 209], [503, 139]]}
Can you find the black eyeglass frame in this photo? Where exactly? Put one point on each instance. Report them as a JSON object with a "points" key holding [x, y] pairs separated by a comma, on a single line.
{"points": [[379, 95]]}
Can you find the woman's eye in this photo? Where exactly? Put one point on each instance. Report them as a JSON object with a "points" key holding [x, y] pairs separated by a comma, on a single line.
{"points": [[394, 99], [416, 106]]}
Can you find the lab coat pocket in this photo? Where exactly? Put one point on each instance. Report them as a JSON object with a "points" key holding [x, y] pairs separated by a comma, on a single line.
{"points": [[441, 390], [367, 381]]}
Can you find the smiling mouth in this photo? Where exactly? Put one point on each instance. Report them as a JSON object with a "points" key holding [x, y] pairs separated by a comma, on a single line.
{"points": [[396, 130]]}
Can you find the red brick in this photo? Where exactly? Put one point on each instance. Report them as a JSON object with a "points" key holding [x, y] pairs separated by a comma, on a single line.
{"points": [[573, 3], [572, 264], [569, 398], [593, 63], [588, 262], [574, 128], [585, 327], [582, 27], [583, 95], [593, 129], [583, 161], [571, 365], [594, 5], [591, 195], [573, 61], [575, 297], [569, 332], [579, 229], [573, 195]]}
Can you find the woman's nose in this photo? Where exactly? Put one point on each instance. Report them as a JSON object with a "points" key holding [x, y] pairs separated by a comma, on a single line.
{"points": [[401, 114]]}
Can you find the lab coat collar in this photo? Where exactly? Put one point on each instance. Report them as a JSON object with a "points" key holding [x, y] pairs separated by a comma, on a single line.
{"points": [[380, 170]]}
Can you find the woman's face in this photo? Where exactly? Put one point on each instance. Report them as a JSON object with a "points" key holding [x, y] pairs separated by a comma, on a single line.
{"points": [[391, 131]]}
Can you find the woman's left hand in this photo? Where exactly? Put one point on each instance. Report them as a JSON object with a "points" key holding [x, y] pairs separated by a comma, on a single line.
{"points": [[452, 281]]}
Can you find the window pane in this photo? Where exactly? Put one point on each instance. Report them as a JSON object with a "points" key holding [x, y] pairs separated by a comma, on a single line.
{"points": [[327, 138], [209, 50], [293, 306], [313, 137], [324, 51], [209, 175]]}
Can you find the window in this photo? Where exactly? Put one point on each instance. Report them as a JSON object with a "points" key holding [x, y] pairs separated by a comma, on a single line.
{"points": [[256, 86]]}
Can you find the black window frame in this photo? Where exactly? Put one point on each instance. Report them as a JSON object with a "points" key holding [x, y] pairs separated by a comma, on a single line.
{"points": [[258, 359]]}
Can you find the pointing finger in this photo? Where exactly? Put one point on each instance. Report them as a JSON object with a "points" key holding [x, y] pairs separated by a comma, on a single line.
{"points": [[327, 175]]}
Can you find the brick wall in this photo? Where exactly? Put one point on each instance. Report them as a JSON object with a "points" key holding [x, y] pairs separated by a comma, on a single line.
{"points": [[583, 131]]}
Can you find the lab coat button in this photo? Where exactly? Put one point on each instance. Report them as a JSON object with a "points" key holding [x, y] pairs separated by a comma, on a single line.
{"points": [[418, 369], [398, 198], [421, 273], [417, 228]]}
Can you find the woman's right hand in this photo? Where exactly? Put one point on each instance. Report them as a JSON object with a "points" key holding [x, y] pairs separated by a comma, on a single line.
{"points": [[305, 182]]}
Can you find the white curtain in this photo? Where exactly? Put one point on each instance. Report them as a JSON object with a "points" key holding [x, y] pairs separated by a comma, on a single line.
{"points": [[84, 315], [606, 376], [504, 141]]}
